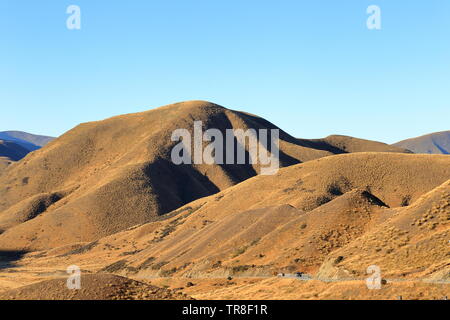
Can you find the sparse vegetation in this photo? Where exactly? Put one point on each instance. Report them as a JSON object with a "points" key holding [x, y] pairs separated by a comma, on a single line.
{"points": [[243, 249], [159, 265], [321, 215], [115, 267], [83, 249], [168, 273], [237, 269]]}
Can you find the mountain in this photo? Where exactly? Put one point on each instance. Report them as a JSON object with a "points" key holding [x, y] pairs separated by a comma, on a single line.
{"points": [[27, 140], [394, 179], [330, 218], [306, 211], [106, 176], [107, 197], [434, 143]]}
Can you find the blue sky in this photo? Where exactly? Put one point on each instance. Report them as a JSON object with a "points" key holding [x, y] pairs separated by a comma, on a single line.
{"points": [[311, 67]]}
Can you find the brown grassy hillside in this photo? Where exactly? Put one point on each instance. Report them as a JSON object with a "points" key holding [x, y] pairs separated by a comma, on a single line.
{"points": [[94, 287], [4, 163], [351, 144], [413, 242], [391, 210], [106, 176], [293, 221]]}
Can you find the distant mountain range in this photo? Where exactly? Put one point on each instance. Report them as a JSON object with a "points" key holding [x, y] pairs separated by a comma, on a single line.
{"points": [[15, 145], [29, 141], [434, 143], [12, 150]]}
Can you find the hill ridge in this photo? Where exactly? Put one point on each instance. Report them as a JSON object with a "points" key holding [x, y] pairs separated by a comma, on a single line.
{"points": [[115, 173]]}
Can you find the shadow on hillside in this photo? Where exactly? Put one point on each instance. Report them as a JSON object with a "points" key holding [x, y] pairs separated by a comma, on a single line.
{"points": [[317, 144], [9, 257]]}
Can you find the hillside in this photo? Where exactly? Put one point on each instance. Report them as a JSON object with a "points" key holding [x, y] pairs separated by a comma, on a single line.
{"points": [[106, 176], [4, 163], [295, 222], [434, 143], [235, 233], [412, 243], [95, 287]]}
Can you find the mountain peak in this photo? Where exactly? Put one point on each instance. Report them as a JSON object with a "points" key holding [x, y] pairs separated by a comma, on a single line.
{"points": [[433, 143]]}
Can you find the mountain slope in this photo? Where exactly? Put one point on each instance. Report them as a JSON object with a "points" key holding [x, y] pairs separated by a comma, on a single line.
{"points": [[434, 143], [118, 172], [394, 179], [242, 230], [4, 163], [413, 242], [94, 287], [233, 233], [103, 177]]}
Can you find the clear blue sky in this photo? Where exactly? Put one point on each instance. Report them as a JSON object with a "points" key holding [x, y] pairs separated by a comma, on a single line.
{"points": [[312, 67]]}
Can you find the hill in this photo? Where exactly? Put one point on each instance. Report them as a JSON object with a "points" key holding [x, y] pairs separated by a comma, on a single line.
{"points": [[106, 176], [434, 143], [411, 243], [297, 220], [94, 287]]}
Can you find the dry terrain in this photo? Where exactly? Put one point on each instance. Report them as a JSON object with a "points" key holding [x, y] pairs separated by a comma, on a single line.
{"points": [[106, 197], [104, 177], [4, 163]]}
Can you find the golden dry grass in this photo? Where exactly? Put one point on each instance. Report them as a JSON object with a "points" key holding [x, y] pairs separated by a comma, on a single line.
{"points": [[4, 163], [93, 287], [105, 197], [103, 177]]}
